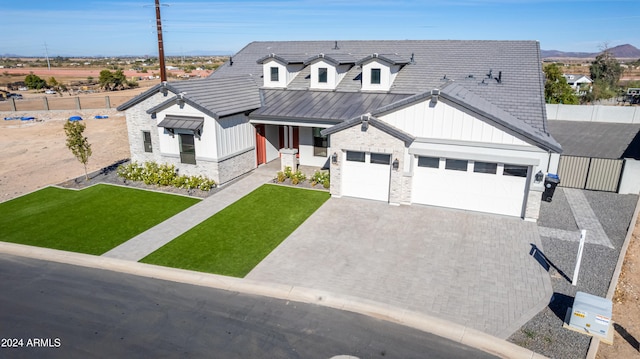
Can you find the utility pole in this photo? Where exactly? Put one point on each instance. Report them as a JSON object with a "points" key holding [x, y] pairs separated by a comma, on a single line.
{"points": [[46, 52], [163, 69]]}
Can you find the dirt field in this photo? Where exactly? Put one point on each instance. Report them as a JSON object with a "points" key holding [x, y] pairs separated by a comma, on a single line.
{"points": [[626, 307], [34, 154]]}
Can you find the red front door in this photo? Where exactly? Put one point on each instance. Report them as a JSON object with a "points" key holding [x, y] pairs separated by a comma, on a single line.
{"points": [[261, 145]]}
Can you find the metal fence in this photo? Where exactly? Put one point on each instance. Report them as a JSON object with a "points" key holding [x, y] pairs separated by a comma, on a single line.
{"points": [[62, 103], [598, 174]]}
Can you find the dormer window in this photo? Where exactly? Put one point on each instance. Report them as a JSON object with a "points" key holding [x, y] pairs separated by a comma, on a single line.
{"points": [[379, 71], [275, 74], [322, 75], [375, 76], [328, 70], [279, 70]]}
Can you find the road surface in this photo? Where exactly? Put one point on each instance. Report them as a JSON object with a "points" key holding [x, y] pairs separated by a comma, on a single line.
{"points": [[52, 310]]}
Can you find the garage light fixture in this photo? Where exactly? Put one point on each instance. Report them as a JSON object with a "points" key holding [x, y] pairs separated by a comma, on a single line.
{"points": [[395, 164], [334, 158], [539, 177]]}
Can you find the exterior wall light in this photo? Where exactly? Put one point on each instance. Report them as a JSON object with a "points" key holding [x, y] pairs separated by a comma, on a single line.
{"points": [[334, 158], [539, 177], [395, 164]]}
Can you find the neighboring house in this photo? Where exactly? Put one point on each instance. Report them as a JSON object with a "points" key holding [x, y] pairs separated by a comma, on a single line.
{"points": [[458, 124], [581, 84]]}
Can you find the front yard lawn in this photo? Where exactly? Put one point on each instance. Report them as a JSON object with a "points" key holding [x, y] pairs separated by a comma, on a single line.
{"points": [[236, 239], [93, 220]]}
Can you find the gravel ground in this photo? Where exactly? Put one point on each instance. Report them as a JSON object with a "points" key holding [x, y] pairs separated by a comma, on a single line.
{"points": [[544, 333]]}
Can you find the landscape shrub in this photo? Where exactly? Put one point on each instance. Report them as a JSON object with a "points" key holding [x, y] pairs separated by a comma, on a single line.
{"points": [[321, 177], [163, 175]]}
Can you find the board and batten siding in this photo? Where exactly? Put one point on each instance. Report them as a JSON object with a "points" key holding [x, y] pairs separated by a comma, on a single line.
{"points": [[234, 134], [446, 122], [205, 145]]}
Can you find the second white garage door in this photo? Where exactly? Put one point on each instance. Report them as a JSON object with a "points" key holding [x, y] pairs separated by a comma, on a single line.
{"points": [[477, 186], [366, 175]]}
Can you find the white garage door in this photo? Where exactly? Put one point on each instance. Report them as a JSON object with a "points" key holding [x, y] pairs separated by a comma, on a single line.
{"points": [[366, 175], [476, 186]]}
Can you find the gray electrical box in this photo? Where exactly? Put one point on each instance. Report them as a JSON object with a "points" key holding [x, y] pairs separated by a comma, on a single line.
{"points": [[591, 314]]}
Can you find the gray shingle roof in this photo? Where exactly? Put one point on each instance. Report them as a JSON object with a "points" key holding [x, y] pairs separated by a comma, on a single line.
{"points": [[214, 96], [520, 92], [597, 139], [502, 80]]}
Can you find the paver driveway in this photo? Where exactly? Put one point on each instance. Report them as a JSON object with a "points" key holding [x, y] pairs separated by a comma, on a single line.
{"points": [[469, 268]]}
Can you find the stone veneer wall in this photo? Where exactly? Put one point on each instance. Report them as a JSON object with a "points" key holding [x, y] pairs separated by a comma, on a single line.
{"points": [[237, 165], [534, 199], [139, 120], [371, 140]]}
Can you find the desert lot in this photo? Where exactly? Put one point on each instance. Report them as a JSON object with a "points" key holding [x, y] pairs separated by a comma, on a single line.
{"points": [[33, 153]]}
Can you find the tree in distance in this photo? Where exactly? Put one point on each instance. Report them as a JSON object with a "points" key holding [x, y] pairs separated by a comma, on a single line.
{"points": [[77, 143], [33, 81], [114, 81], [605, 72], [556, 88]]}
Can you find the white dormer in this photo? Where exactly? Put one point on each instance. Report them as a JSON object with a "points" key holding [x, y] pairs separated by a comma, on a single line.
{"points": [[278, 71], [379, 71], [327, 71]]}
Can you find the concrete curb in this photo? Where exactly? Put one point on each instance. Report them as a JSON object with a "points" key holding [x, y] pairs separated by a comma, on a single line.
{"points": [[440, 327], [595, 342]]}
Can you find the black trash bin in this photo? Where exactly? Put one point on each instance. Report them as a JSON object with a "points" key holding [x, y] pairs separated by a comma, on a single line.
{"points": [[551, 181]]}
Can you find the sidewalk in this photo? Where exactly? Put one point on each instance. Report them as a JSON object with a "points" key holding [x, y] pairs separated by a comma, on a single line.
{"points": [[149, 241]]}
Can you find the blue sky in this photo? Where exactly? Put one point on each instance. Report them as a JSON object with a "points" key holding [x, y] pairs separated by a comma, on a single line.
{"points": [[121, 27]]}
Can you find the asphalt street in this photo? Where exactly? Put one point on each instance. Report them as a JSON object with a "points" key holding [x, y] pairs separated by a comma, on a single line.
{"points": [[52, 310]]}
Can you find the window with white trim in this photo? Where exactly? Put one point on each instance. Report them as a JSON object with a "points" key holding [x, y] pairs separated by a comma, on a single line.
{"points": [[429, 162], [380, 158], [485, 167], [375, 76], [320, 143], [323, 74], [515, 170], [456, 165], [275, 74], [146, 139], [355, 156]]}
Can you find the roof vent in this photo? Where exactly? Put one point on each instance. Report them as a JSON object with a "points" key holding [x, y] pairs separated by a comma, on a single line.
{"points": [[335, 46], [230, 60], [412, 61], [499, 78], [489, 74]]}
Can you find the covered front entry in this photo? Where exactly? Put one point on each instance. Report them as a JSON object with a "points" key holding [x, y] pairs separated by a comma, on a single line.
{"points": [[471, 185], [366, 175]]}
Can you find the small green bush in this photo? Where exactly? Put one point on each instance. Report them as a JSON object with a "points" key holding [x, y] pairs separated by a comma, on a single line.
{"points": [[298, 177], [163, 175], [321, 177], [281, 176]]}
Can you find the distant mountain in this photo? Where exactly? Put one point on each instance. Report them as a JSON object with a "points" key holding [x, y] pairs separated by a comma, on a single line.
{"points": [[625, 51]]}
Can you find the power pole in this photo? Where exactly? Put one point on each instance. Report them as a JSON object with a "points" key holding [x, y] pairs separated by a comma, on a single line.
{"points": [[46, 52], [163, 69]]}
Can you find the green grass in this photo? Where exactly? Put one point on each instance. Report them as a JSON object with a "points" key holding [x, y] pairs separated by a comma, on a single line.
{"points": [[236, 239], [93, 220]]}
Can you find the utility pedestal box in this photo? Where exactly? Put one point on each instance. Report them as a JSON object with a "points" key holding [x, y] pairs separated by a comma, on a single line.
{"points": [[591, 315]]}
